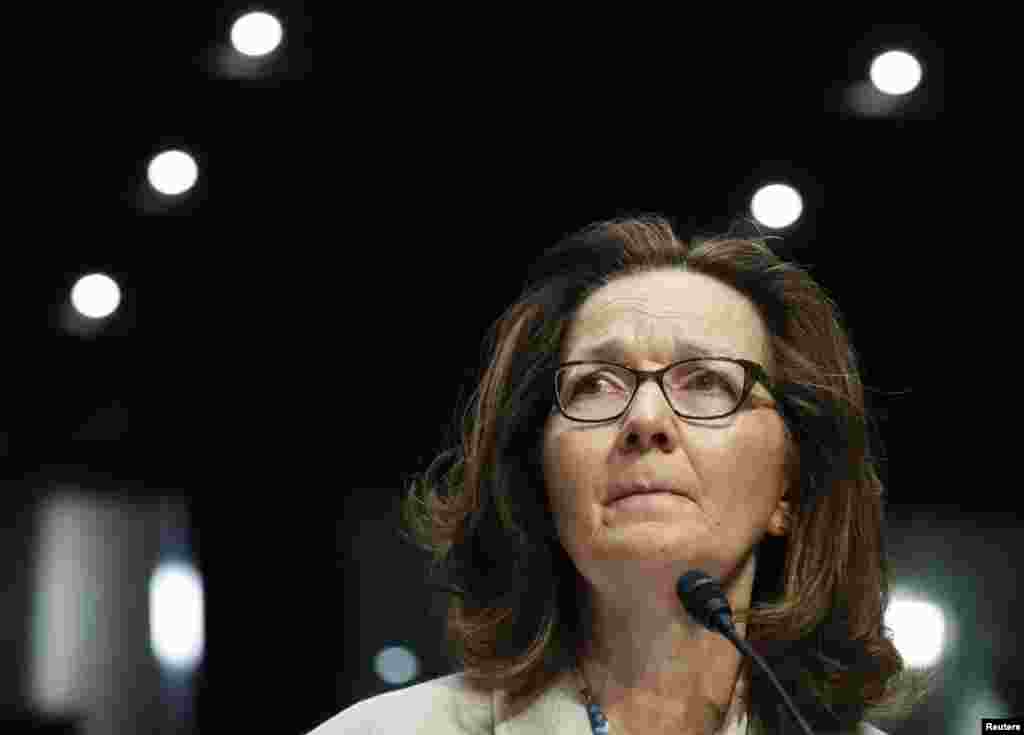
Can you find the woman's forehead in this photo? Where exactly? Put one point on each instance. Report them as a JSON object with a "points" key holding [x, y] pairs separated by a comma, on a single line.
{"points": [[666, 312]]}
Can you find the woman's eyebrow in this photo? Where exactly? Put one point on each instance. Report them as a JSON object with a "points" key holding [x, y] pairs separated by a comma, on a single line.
{"points": [[615, 348]]}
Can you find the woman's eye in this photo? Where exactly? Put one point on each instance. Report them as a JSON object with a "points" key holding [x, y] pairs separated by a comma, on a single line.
{"points": [[590, 383], [707, 380], [595, 381]]}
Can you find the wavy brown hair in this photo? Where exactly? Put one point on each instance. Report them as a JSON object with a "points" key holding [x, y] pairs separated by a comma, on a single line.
{"points": [[481, 508]]}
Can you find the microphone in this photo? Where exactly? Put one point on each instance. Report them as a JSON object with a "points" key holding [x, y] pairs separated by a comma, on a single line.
{"points": [[704, 600]]}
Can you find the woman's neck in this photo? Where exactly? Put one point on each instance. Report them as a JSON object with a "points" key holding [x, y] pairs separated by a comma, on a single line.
{"points": [[650, 677]]}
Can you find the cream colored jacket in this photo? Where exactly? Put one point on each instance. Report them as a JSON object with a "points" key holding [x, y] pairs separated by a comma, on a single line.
{"points": [[446, 706]]}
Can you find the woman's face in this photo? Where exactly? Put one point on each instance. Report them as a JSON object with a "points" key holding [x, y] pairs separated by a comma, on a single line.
{"points": [[729, 471]]}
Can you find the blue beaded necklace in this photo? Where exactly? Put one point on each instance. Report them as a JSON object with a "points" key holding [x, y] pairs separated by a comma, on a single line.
{"points": [[598, 722]]}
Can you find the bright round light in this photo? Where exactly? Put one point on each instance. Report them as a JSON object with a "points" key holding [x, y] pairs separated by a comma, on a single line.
{"points": [[776, 205], [172, 172], [176, 615], [896, 72], [396, 665], [919, 630], [95, 296], [256, 34]]}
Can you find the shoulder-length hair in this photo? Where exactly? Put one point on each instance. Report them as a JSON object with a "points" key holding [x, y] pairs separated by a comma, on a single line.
{"points": [[481, 508]]}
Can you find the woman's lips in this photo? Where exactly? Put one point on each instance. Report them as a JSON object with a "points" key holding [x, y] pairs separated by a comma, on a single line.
{"points": [[657, 500]]}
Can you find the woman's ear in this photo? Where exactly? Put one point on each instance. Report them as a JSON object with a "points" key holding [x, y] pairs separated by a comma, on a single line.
{"points": [[781, 519]]}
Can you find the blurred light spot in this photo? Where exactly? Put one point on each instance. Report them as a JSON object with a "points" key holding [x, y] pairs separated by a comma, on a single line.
{"points": [[919, 630], [176, 615], [776, 205], [95, 296], [172, 172], [895, 72], [396, 665], [256, 34]]}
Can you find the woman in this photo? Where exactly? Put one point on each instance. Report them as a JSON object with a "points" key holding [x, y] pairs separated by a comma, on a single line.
{"points": [[584, 487]]}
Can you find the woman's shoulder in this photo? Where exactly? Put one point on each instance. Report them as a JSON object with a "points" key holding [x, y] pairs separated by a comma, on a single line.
{"points": [[447, 704]]}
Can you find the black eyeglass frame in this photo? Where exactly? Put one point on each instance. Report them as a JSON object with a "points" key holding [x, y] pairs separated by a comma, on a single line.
{"points": [[752, 373]]}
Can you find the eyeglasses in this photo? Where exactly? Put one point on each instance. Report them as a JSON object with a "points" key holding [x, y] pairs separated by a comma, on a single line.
{"points": [[697, 388]]}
